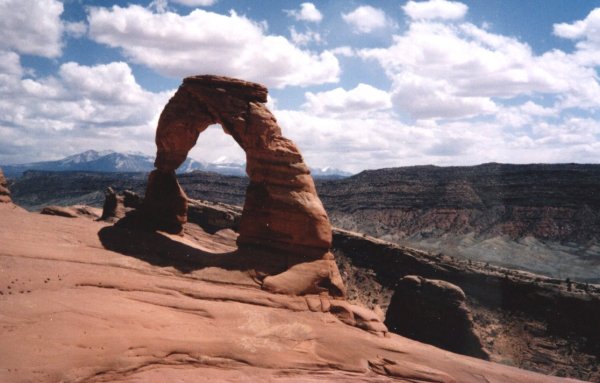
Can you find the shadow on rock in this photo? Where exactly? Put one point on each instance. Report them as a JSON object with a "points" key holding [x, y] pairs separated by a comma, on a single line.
{"points": [[137, 236], [132, 237]]}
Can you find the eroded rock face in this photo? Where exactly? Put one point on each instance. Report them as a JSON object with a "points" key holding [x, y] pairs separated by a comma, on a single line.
{"points": [[434, 312], [4, 192], [282, 213], [116, 205]]}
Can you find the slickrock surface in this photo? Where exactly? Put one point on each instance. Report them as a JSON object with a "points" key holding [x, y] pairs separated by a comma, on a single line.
{"points": [[72, 211], [283, 219], [83, 301]]}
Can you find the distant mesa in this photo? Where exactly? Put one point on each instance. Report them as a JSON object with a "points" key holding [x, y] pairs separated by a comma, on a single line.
{"points": [[283, 220]]}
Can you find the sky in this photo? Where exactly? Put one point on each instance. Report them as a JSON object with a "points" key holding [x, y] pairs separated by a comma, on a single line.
{"points": [[356, 84]]}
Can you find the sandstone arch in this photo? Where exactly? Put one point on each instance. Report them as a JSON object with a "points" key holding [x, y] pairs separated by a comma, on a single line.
{"points": [[283, 218]]}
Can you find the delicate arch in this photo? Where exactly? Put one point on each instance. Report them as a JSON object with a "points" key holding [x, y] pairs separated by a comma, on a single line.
{"points": [[282, 213]]}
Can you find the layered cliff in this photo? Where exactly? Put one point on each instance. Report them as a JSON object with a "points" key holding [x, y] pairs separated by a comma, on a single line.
{"points": [[542, 218], [557, 202]]}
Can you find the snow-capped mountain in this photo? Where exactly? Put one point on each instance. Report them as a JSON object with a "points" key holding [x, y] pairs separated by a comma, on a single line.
{"points": [[91, 160], [110, 161], [87, 156], [329, 172]]}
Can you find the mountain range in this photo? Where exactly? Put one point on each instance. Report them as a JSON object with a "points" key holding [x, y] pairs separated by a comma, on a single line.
{"points": [[110, 162]]}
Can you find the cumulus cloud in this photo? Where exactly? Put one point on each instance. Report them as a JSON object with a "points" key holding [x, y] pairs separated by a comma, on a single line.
{"points": [[82, 107], [75, 29], [206, 42], [586, 28], [307, 12], [360, 100], [587, 33], [344, 51], [460, 70], [424, 97], [435, 9], [354, 143], [10, 67], [31, 26], [365, 19], [474, 95], [305, 38]]}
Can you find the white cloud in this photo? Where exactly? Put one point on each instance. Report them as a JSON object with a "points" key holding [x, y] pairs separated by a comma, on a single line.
{"points": [[435, 9], [424, 97], [10, 67], [360, 100], [213, 143], [109, 83], [453, 71], [365, 19], [75, 29], [344, 51], [587, 31], [31, 27], [354, 143], [83, 107], [307, 12], [304, 38], [205, 42], [586, 28], [195, 3]]}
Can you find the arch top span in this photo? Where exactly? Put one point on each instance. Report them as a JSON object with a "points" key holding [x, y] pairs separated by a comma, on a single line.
{"points": [[246, 90], [283, 219]]}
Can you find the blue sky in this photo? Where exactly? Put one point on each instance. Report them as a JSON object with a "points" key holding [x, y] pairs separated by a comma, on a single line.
{"points": [[356, 84]]}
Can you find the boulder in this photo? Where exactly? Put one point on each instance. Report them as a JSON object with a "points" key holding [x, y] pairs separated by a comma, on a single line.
{"points": [[434, 312], [4, 192]]}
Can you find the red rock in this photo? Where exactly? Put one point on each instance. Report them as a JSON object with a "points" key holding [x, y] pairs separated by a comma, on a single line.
{"points": [[72, 211], [434, 312], [165, 203], [4, 192], [117, 205], [282, 213]]}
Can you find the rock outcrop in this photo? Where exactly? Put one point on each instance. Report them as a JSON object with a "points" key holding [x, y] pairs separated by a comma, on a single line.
{"points": [[4, 192], [213, 217], [434, 312], [116, 205], [283, 221]]}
